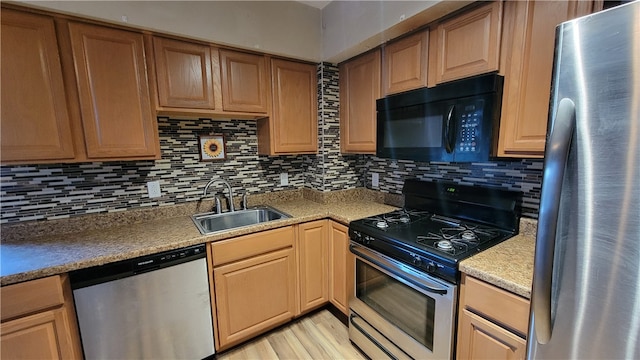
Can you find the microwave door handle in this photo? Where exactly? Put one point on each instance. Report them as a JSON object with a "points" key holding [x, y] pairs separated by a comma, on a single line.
{"points": [[449, 140]]}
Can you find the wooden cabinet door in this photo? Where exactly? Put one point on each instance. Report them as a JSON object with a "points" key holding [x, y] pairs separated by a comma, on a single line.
{"points": [[341, 268], [467, 44], [244, 82], [183, 72], [404, 64], [313, 263], [43, 335], [529, 41], [254, 295], [295, 107], [359, 90], [479, 338], [114, 93], [35, 121]]}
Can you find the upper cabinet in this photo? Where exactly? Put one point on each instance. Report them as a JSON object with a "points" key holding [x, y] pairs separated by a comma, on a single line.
{"points": [[359, 90], [467, 44], [245, 83], [117, 117], [35, 119], [73, 92], [292, 127], [404, 63], [196, 79], [183, 74], [527, 56]]}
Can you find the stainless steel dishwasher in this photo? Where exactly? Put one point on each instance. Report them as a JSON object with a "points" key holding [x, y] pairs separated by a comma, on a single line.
{"points": [[152, 307]]}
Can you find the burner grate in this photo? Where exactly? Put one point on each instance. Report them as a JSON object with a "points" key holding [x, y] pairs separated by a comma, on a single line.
{"points": [[458, 239], [395, 218]]}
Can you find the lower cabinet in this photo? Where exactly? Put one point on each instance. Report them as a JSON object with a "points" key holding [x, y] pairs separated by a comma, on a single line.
{"points": [[341, 269], [263, 280], [312, 248], [38, 320], [492, 323], [255, 282]]}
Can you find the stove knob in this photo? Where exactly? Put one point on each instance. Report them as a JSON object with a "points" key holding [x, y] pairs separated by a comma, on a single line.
{"points": [[416, 260], [368, 240], [431, 267]]}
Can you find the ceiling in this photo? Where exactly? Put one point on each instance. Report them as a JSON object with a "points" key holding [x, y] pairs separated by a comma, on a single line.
{"points": [[315, 3]]}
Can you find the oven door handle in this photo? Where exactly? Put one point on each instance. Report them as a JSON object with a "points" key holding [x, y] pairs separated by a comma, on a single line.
{"points": [[388, 266], [371, 338]]}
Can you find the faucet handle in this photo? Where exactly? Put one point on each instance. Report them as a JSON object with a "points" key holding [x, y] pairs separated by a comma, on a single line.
{"points": [[244, 201]]}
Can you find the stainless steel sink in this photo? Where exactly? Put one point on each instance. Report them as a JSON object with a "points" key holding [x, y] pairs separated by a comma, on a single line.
{"points": [[210, 223]]}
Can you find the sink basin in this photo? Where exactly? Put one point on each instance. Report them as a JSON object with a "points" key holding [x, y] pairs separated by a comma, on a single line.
{"points": [[211, 223]]}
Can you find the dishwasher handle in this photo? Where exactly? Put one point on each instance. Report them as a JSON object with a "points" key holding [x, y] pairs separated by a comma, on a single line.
{"points": [[125, 268]]}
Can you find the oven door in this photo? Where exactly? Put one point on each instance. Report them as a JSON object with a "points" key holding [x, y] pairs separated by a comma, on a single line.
{"points": [[398, 311]]}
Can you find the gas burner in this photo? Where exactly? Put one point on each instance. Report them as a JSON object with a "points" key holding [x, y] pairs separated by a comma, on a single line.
{"points": [[468, 235], [398, 217], [444, 245]]}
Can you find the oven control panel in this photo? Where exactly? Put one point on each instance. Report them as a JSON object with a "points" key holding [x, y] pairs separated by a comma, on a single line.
{"points": [[419, 261]]}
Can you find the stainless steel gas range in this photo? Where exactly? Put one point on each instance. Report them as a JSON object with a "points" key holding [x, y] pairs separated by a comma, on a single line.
{"points": [[406, 273]]}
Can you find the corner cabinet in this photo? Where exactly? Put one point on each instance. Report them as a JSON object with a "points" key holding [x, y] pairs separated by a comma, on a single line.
{"points": [[113, 89], [35, 119], [312, 249], [254, 280], [292, 127], [359, 90], [38, 320], [405, 63], [492, 323], [528, 51], [342, 267], [466, 44]]}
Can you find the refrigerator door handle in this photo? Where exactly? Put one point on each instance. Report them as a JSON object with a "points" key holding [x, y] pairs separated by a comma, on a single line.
{"points": [[556, 154]]}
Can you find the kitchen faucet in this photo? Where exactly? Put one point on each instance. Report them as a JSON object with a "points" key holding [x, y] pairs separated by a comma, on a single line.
{"points": [[213, 181]]}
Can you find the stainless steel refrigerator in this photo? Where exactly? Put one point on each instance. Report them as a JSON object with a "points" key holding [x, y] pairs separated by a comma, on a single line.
{"points": [[586, 287]]}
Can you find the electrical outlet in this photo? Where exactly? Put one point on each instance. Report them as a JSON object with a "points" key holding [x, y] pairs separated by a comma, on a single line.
{"points": [[153, 189], [375, 179], [284, 179]]}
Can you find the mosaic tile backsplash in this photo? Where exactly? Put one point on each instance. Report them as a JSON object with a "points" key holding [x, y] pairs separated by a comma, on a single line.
{"points": [[54, 191], [59, 191], [524, 176]]}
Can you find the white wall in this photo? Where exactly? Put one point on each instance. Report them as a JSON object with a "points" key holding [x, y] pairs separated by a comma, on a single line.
{"points": [[285, 28], [341, 30], [353, 27]]}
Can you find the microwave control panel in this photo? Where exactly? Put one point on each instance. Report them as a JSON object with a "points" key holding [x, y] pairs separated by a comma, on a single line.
{"points": [[469, 121]]}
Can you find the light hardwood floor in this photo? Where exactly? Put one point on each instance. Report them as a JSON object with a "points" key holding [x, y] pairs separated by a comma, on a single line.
{"points": [[317, 336]]}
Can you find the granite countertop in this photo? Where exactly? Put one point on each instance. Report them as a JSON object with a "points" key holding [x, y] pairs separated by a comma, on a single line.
{"points": [[508, 265], [45, 255], [45, 251]]}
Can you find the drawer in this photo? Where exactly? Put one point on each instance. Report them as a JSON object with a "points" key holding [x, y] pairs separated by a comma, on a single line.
{"points": [[31, 296], [246, 246], [503, 307]]}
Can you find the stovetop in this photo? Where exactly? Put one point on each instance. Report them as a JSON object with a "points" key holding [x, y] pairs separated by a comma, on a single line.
{"points": [[431, 241]]}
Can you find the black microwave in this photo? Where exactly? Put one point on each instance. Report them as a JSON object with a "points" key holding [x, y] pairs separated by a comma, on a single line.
{"points": [[452, 122]]}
